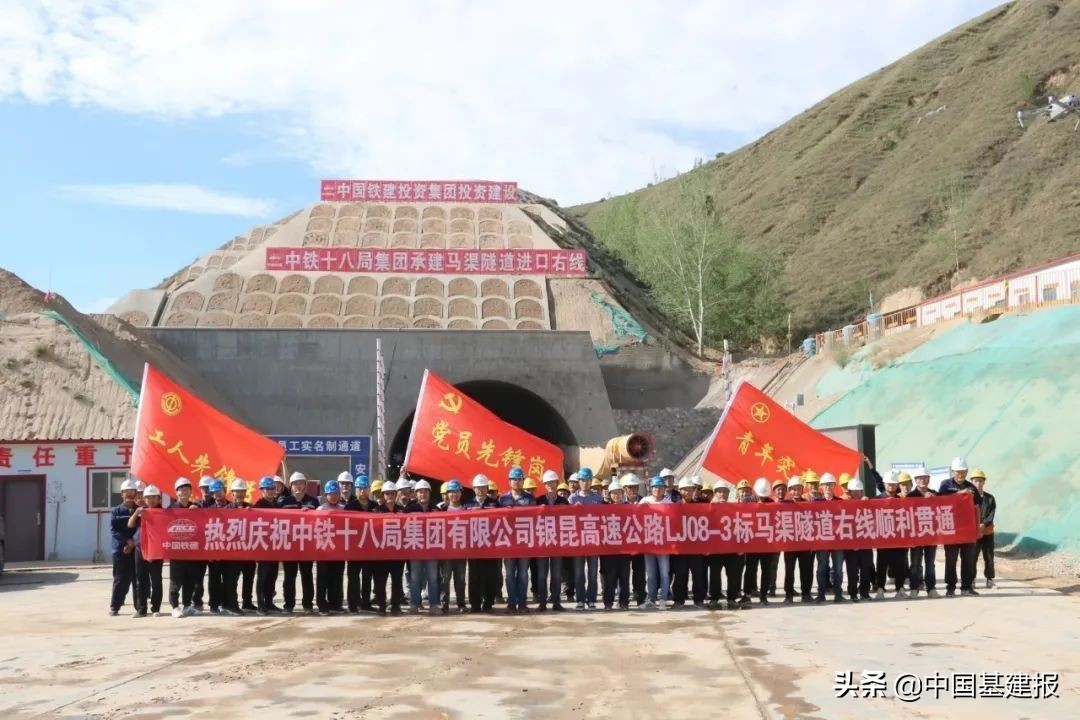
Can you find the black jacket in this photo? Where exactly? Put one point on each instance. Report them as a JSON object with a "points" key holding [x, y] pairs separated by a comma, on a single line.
{"points": [[989, 509]]}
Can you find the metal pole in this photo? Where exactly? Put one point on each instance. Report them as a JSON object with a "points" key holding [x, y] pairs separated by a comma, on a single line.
{"points": [[380, 406]]}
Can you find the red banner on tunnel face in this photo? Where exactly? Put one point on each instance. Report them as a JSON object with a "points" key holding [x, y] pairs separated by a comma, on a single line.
{"points": [[453, 436], [555, 531]]}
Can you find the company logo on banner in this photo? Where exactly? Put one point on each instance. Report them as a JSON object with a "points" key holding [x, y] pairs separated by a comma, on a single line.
{"points": [[454, 436], [355, 447], [563, 530], [457, 191], [436, 262]]}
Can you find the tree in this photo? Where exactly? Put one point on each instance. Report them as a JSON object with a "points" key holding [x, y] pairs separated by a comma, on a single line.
{"points": [[700, 275]]}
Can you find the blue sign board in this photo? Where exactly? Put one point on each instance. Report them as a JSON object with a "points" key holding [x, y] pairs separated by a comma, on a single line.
{"points": [[355, 447]]}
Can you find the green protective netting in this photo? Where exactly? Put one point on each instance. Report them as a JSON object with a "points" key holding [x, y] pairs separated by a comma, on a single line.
{"points": [[95, 353], [603, 349], [622, 322], [1006, 396]]}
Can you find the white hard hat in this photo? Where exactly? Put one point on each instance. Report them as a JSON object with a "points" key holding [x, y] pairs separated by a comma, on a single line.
{"points": [[958, 463], [550, 476], [630, 479], [855, 484], [238, 484], [151, 490], [279, 479], [891, 478], [206, 481], [422, 485], [140, 486], [686, 483], [297, 477], [573, 478], [614, 486], [480, 480], [920, 471], [181, 482], [129, 484], [762, 488], [697, 481], [828, 479], [345, 477], [667, 472], [722, 484], [406, 484], [389, 486], [794, 482]]}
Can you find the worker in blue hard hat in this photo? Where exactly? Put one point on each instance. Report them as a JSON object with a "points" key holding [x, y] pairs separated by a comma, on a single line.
{"points": [[517, 569], [221, 580], [329, 574], [266, 572], [657, 565], [586, 567], [453, 571], [360, 572], [205, 499]]}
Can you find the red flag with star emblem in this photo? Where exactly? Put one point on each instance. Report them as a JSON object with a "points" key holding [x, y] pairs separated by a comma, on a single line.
{"points": [[178, 434], [454, 436], [757, 437]]}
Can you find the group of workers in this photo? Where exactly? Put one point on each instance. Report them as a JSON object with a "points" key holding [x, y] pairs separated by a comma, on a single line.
{"points": [[728, 580]]}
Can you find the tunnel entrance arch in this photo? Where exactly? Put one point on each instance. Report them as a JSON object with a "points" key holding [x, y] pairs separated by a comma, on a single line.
{"points": [[512, 403]]}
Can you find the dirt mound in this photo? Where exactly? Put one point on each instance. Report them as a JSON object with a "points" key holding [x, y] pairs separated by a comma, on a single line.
{"points": [[16, 297]]}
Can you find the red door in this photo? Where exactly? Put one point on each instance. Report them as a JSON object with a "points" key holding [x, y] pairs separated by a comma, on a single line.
{"points": [[22, 505]]}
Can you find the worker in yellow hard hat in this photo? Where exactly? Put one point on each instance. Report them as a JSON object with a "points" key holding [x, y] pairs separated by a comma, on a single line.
{"points": [[744, 492], [811, 482], [985, 545]]}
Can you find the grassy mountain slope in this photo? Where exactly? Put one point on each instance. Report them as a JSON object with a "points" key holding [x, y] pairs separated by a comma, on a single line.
{"points": [[866, 192]]}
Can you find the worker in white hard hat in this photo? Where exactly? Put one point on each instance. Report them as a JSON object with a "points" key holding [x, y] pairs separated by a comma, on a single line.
{"points": [[657, 565], [718, 565], [392, 570], [631, 484], [668, 476], [858, 562], [922, 573], [123, 545], [485, 574], [830, 562], [183, 574], [140, 487], [615, 567], [424, 572], [298, 499], [549, 570], [244, 569], [803, 560], [760, 563], [891, 562], [147, 572], [688, 570], [962, 552]]}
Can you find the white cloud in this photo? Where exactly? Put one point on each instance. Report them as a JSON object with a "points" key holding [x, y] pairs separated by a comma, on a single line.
{"points": [[180, 198], [566, 98]]}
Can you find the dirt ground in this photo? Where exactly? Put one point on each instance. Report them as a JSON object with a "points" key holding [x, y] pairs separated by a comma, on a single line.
{"points": [[62, 656]]}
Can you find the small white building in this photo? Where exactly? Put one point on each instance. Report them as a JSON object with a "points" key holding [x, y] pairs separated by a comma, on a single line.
{"points": [[56, 497]]}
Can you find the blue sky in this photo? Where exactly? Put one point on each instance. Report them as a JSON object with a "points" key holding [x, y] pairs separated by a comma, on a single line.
{"points": [[138, 136]]}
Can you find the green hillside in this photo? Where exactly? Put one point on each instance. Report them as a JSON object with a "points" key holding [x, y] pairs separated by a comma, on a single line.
{"points": [[866, 192]]}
